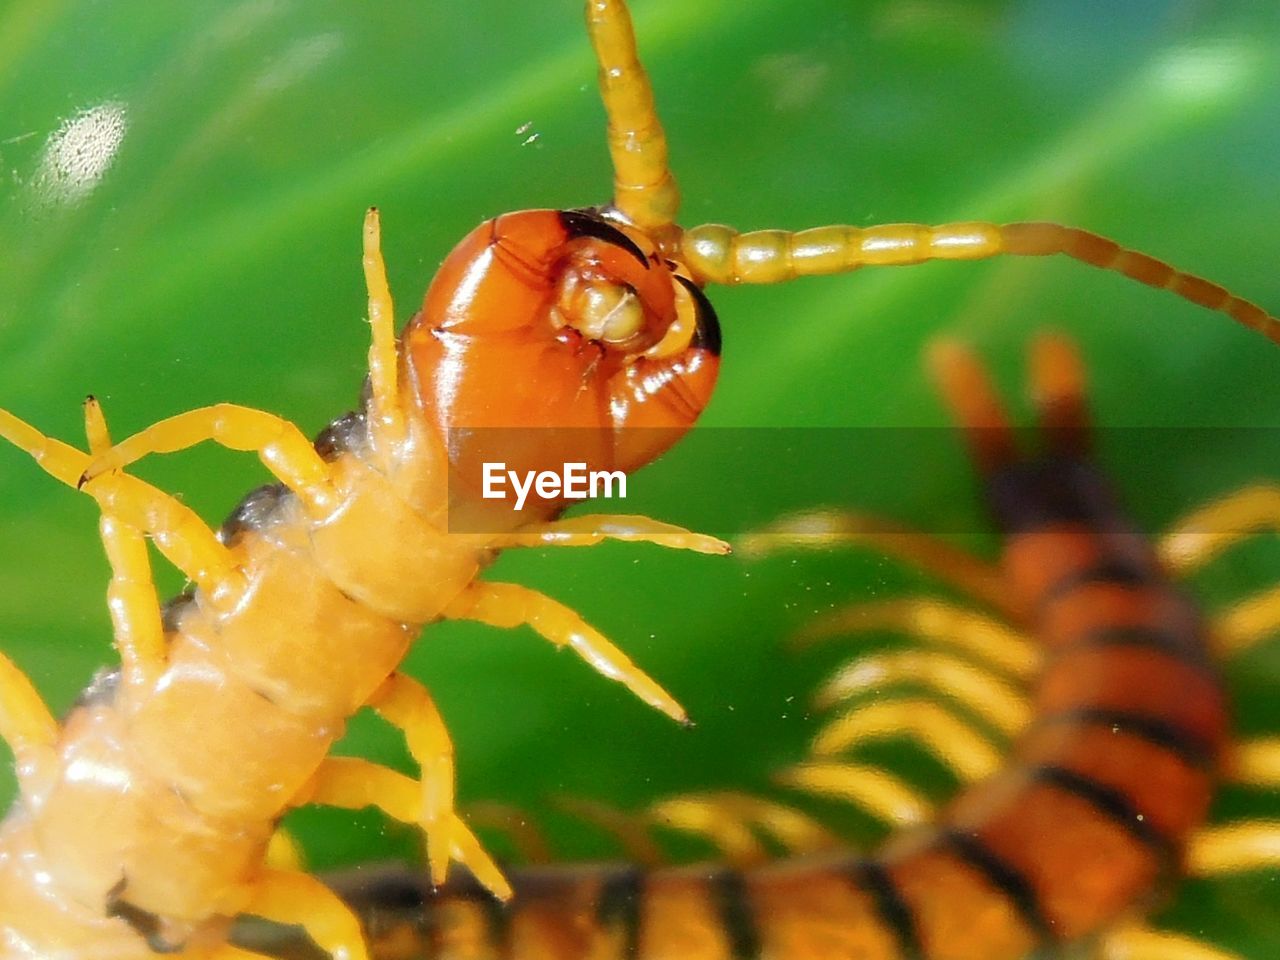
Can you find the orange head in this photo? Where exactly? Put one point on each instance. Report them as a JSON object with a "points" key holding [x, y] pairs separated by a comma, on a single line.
{"points": [[570, 328]]}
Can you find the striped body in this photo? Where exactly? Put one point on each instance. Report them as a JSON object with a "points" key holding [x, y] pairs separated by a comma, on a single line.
{"points": [[158, 814], [1088, 817]]}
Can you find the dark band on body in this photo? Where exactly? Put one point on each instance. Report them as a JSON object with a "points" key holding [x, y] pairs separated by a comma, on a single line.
{"points": [[895, 913], [1188, 747], [1113, 804], [729, 896], [1003, 877], [618, 907]]}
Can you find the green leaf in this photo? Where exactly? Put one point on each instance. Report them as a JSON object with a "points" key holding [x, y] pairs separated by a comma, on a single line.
{"points": [[213, 254]]}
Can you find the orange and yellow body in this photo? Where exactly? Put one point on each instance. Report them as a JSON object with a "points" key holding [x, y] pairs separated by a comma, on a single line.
{"points": [[144, 827], [164, 797], [1092, 811]]}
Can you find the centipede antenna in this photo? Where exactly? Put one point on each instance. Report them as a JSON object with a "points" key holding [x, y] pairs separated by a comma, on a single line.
{"points": [[644, 189], [720, 254], [1057, 383], [977, 410]]}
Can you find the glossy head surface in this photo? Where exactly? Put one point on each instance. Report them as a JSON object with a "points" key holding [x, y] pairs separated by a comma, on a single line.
{"points": [[568, 324]]}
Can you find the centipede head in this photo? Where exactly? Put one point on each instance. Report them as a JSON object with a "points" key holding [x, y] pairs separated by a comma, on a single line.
{"points": [[566, 328]]}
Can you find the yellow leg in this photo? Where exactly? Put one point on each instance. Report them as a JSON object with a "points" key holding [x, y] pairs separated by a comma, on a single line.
{"points": [[798, 833], [587, 531], [26, 724], [1209, 530], [966, 753], [1139, 942], [718, 254], [729, 833], [352, 783], [1256, 763], [628, 829], [530, 843], [283, 852], [178, 533], [225, 951], [385, 413], [131, 595], [730, 820], [823, 529], [60, 460], [282, 447], [727, 820], [1234, 848], [510, 605], [405, 703], [1247, 624], [302, 900], [871, 789], [644, 190], [936, 622], [986, 695]]}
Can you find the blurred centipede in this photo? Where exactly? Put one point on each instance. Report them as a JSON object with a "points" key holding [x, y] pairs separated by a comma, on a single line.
{"points": [[144, 819], [1117, 755]]}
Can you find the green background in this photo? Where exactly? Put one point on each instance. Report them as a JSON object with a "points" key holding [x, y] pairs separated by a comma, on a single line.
{"points": [[217, 259]]}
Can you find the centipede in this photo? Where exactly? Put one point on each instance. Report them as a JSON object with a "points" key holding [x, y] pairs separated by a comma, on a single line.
{"points": [[1073, 646], [670, 329]]}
